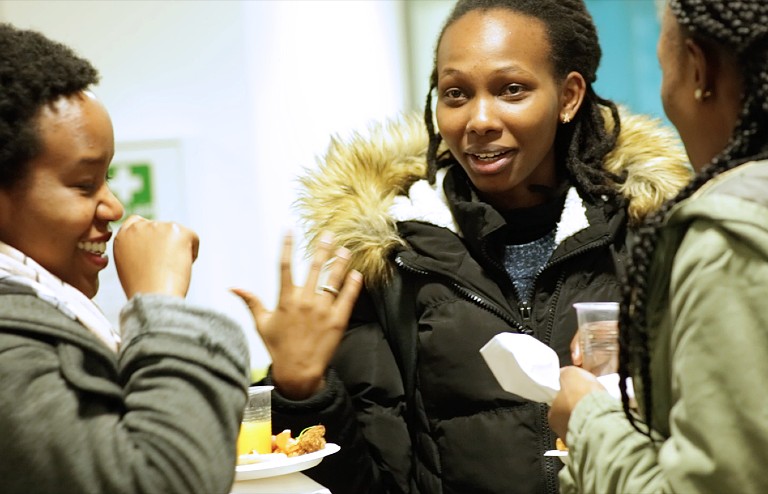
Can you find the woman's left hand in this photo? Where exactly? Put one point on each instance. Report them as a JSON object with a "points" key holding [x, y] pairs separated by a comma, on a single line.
{"points": [[575, 384], [304, 330]]}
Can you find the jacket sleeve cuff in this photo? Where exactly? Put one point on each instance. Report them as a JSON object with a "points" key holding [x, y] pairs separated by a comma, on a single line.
{"points": [[176, 318], [592, 405], [321, 400]]}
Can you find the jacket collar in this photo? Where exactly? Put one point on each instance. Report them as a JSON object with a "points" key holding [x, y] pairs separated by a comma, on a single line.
{"points": [[366, 184]]}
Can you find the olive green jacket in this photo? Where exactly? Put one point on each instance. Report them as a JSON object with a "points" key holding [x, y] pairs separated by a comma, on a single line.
{"points": [[708, 320]]}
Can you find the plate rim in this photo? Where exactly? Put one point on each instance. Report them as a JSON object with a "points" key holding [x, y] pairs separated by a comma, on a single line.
{"points": [[291, 464], [555, 452], [558, 453]]}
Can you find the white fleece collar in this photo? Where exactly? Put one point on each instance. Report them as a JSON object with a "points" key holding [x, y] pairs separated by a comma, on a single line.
{"points": [[574, 217], [428, 204]]}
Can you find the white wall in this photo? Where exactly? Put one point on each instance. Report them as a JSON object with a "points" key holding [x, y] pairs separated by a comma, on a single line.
{"points": [[425, 19], [252, 90]]}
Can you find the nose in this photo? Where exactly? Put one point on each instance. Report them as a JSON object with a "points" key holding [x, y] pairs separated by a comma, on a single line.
{"points": [[483, 118], [110, 208]]}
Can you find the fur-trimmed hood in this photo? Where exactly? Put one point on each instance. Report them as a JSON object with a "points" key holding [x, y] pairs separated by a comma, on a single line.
{"points": [[353, 192]]}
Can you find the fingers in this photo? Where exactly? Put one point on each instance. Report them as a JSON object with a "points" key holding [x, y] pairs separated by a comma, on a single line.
{"points": [[329, 282], [576, 356], [181, 232], [286, 274], [131, 220], [353, 284], [321, 262], [326, 283], [332, 274], [337, 282], [195, 246], [252, 301], [154, 256]]}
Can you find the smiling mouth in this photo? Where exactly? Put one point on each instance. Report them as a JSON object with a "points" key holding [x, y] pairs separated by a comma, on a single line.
{"points": [[488, 156], [97, 248]]}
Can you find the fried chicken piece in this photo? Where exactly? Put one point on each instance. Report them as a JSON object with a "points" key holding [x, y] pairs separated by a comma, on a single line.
{"points": [[311, 439]]}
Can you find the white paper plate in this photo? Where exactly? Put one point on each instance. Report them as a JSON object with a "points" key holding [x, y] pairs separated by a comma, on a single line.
{"points": [[563, 455], [284, 466]]}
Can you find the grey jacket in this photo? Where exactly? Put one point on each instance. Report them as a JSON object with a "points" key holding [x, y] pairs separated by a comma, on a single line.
{"points": [[161, 416]]}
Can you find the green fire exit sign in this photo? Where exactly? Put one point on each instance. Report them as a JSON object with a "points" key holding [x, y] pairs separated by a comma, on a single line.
{"points": [[132, 184]]}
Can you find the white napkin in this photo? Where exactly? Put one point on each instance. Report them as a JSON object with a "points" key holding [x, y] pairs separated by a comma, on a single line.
{"points": [[530, 369], [611, 384], [524, 366]]}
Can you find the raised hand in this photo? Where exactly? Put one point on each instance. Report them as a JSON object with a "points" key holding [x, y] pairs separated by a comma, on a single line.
{"points": [[304, 330], [154, 257]]}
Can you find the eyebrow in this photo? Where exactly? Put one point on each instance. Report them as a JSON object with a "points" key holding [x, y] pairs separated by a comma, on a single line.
{"points": [[93, 160], [507, 69]]}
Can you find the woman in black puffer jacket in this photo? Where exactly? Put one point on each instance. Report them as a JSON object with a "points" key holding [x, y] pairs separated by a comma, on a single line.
{"points": [[516, 209]]}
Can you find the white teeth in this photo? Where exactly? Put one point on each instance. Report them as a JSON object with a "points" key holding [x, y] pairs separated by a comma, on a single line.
{"points": [[486, 156], [98, 248]]}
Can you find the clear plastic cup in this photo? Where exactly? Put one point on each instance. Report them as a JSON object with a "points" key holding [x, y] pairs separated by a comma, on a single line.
{"points": [[599, 336], [256, 428]]}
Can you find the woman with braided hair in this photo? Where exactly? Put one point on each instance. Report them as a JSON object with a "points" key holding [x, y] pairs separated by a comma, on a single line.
{"points": [[513, 205], [693, 324]]}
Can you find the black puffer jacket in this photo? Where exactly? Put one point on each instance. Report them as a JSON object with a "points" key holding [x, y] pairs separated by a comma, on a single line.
{"points": [[438, 293]]}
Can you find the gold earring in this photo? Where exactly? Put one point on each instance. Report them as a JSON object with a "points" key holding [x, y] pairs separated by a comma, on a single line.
{"points": [[566, 117], [700, 95]]}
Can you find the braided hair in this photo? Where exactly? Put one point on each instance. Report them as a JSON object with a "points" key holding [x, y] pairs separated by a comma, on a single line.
{"points": [[581, 146], [34, 71], [737, 28]]}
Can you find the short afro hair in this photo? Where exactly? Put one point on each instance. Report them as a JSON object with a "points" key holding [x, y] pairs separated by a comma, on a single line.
{"points": [[34, 71]]}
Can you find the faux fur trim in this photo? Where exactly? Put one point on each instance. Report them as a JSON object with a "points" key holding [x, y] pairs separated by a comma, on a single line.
{"points": [[654, 159], [365, 184]]}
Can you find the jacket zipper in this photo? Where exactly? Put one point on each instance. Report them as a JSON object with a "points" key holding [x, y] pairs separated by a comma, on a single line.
{"points": [[526, 308], [547, 336], [546, 434], [469, 295], [553, 301], [550, 471], [549, 468]]}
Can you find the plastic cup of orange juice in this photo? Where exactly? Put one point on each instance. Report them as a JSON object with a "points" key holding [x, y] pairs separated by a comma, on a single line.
{"points": [[256, 427]]}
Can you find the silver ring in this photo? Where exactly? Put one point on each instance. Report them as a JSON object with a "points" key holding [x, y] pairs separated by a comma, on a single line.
{"points": [[328, 288]]}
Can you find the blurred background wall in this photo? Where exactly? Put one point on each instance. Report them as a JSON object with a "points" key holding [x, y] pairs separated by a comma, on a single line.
{"points": [[235, 98]]}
